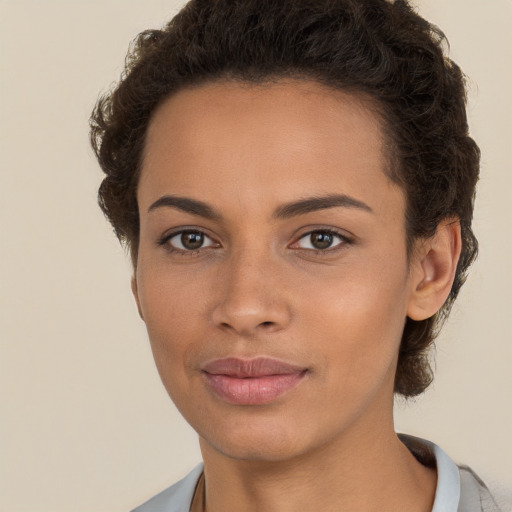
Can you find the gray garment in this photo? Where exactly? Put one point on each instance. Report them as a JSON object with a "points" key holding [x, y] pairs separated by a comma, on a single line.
{"points": [[458, 488], [176, 498], [476, 496]]}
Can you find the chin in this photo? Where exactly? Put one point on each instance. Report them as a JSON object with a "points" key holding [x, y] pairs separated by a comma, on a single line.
{"points": [[265, 448], [258, 439]]}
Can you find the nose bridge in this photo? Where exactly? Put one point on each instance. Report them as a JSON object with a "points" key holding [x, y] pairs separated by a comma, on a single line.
{"points": [[250, 297]]}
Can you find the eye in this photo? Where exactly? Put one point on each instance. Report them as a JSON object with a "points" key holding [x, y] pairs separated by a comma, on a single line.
{"points": [[321, 240], [187, 241]]}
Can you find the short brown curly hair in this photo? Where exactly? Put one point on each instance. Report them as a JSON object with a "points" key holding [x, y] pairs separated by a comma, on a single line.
{"points": [[379, 48]]}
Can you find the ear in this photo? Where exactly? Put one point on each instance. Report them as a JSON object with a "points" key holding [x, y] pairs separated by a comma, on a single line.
{"points": [[135, 292], [433, 266]]}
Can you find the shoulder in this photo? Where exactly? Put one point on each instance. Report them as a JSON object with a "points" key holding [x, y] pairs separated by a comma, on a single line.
{"points": [[176, 498]]}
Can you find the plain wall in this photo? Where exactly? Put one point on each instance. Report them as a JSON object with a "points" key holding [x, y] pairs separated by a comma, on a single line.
{"points": [[85, 424]]}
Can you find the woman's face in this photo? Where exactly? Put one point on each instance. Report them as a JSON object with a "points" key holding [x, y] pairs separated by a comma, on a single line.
{"points": [[272, 272]]}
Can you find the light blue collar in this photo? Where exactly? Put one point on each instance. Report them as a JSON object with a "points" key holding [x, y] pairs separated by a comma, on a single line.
{"points": [[178, 497], [448, 477]]}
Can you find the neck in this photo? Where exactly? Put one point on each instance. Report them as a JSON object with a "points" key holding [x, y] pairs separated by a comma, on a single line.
{"points": [[366, 469]]}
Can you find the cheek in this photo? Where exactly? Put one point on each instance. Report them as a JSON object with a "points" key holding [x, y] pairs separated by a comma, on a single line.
{"points": [[170, 299], [173, 308], [348, 319], [357, 319]]}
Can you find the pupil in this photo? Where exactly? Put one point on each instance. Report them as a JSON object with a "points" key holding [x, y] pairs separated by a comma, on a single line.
{"points": [[192, 240], [321, 240]]}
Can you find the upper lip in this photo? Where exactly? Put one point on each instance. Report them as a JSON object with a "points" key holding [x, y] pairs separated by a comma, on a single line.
{"points": [[256, 367]]}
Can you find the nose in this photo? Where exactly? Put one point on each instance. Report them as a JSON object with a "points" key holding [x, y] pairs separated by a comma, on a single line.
{"points": [[252, 298]]}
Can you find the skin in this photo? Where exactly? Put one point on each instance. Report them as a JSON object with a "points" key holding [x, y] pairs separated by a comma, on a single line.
{"points": [[257, 287]]}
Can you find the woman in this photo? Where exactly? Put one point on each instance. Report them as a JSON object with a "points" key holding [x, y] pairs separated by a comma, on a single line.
{"points": [[295, 183]]}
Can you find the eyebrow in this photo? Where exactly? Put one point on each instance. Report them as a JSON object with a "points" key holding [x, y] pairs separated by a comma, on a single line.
{"points": [[285, 211], [313, 204], [187, 205]]}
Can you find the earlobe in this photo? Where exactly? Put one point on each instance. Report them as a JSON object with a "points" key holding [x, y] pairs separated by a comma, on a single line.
{"points": [[135, 292], [433, 270]]}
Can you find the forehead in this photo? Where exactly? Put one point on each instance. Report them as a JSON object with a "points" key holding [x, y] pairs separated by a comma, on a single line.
{"points": [[278, 140]]}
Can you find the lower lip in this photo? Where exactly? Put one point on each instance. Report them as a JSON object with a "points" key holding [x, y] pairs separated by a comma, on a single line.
{"points": [[252, 390]]}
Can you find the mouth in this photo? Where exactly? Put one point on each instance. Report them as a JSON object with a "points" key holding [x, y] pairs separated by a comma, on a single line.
{"points": [[251, 381]]}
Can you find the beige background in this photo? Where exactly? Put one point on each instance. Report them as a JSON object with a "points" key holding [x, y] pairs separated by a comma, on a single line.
{"points": [[85, 424]]}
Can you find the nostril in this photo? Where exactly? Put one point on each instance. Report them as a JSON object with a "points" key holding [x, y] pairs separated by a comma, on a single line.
{"points": [[248, 317]]}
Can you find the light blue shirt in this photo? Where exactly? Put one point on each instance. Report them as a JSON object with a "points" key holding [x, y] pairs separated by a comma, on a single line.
{"points": [[458, 488]]}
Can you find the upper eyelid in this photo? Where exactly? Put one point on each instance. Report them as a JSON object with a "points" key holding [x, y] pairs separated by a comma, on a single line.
{"points": [[171, 234], [337, 232], [324, 230], [178, 231]]}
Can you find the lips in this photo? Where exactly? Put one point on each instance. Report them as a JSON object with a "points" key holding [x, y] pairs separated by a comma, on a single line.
{"points": [[251, 381]]}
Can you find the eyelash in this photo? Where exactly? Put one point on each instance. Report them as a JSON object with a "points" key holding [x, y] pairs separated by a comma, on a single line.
{"points": [[344, 240], [164, 242]]}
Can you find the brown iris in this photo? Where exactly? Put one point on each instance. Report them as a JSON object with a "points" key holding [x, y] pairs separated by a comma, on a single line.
{"points": [[192, 240], [321, 239]]}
